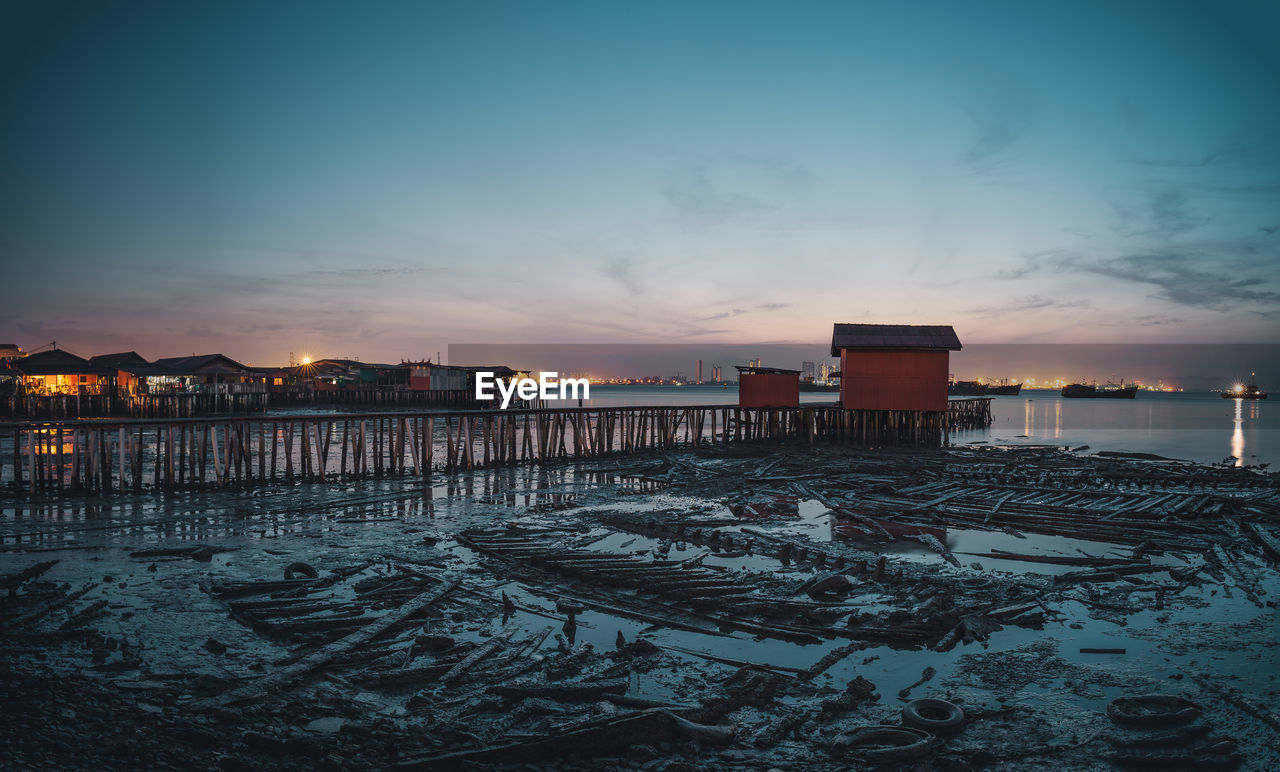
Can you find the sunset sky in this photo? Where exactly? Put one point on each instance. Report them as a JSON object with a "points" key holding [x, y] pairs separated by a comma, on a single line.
{"points": [[383, 179]]}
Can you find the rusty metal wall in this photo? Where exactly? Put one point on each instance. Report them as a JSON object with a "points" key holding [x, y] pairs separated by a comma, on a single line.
{"points": [[889, 379], [768, 390]]}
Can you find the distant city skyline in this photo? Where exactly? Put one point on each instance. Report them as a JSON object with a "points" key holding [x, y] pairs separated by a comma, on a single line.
{"points": [[1194, 366], [391, 177]]}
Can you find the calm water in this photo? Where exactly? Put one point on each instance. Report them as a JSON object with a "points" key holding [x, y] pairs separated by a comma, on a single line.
{"points": [[1195, 426]]}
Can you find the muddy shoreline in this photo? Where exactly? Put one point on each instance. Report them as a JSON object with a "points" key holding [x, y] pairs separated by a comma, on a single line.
{"points": [[725, 608]]}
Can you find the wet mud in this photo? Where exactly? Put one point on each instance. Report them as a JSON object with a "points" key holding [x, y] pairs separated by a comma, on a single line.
{"points": [[726, 608]]}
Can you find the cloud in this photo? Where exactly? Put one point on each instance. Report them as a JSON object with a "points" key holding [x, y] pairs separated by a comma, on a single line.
{"points": [[1145, 320], [363, 273], [1031, 303], [773, 306], [1240, 152], [1191, 163], [1018, 272], [1166, 213], [766, 190], [724, 315], [621, 271], [1180, 277], [1031, 263], [692, 192], [1001, 109]]}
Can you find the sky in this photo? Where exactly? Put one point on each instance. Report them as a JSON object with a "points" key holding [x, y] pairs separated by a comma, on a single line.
{"points": [[381, 179]]}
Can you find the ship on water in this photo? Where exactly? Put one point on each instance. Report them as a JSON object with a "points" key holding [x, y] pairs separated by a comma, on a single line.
{"points": [[810, 385], [1094, 391], [981, 389], [1248, 390], [1005, 389]]}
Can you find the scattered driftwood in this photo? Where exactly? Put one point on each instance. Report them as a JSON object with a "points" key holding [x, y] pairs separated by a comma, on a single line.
{"points": [[596, 739], [925, 677], [972, 628], [242, 589], [62, 602], [1269, 543], [1059, 560], [933, 543], [575, 692], [856, 692], [480, 652], [284, 678], [735, 662], [1263, 713], [11, 582]]}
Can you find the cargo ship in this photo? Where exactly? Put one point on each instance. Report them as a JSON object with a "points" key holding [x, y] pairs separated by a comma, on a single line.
{"points": [[966, 389], [1093, 391], [979, 389], [1005, 389], [1248, 390]]}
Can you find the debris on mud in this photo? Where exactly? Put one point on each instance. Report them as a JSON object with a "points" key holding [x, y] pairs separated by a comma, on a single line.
{"points": [[716, 608]]}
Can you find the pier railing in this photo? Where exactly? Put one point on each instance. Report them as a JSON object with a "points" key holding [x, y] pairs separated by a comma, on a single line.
{"points": [[142, 455], [212, 399]]}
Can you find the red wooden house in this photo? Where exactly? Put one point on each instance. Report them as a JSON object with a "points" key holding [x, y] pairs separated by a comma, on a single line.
{"points": [[768, 387], [893, 366]]}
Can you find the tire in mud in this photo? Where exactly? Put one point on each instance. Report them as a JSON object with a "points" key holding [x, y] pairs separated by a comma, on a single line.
{"points": [[297, 570], [884, 744], [1152, 710], [933, 715]]}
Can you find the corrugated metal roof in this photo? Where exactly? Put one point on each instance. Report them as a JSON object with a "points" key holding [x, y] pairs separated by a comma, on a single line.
{"points": [[120, 360], [915, 336], [56, 362], [749, 370], [200, 364]]}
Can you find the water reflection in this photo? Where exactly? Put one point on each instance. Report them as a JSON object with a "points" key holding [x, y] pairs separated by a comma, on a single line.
{"points": [[1237, 434]]}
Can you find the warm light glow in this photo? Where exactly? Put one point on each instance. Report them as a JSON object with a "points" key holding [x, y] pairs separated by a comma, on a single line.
{"points": [[1238, 388], [306, 360]]}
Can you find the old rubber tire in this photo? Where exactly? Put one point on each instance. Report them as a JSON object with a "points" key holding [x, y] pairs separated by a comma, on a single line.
{"points": [[884, 744], [933, 715], [294, 570], [1152, 710]]}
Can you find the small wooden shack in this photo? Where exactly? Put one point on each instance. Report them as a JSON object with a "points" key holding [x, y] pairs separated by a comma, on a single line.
{"points": [[131, 370], [768, 387], [893, 366], [429, 376]]}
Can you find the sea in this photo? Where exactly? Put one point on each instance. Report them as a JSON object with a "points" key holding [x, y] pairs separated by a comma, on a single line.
{"points": [[1195, 426]]}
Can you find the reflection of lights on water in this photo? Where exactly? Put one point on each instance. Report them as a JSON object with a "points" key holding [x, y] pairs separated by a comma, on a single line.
{"points": [[1237, 435], [1031, 417], [1057, 420]]}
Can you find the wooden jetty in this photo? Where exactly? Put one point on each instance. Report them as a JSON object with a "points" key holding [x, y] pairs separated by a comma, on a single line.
{"points": [[226, 398], [374, 398], [111, 403], [152, 455]]}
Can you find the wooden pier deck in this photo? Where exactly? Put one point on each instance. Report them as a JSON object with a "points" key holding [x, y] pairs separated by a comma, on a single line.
{"points": [[224, 399], [140, 455]]}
